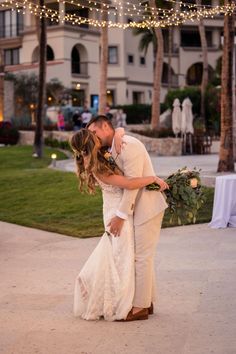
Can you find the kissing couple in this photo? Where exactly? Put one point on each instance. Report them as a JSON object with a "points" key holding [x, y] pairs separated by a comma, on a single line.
{"points": [[117, 282]]}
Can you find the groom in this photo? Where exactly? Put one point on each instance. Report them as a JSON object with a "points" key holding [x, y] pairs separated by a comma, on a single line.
{"points": [[147, 208]]}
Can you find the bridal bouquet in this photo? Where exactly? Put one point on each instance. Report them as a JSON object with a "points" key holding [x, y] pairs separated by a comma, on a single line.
{"points": [[184, 196]]}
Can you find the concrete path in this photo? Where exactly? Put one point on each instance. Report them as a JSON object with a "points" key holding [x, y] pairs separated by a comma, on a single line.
{"points": [[165, 165], [196, 311]]}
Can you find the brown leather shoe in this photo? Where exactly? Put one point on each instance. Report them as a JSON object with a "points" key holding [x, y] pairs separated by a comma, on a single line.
{"points": [[138, 316], [151, 309]]}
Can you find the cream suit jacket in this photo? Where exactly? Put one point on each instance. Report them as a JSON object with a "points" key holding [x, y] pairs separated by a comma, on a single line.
{"points": [[134, 161]]}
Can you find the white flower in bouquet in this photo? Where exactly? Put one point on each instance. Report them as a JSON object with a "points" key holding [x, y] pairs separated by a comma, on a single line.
{"points": [[184, 196]]}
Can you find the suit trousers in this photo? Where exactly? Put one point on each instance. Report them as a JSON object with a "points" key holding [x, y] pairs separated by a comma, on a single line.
{"points": [[146, 237]]}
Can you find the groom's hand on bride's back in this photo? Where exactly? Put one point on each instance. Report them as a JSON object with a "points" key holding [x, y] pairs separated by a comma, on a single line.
{"points": [[116, 225]]}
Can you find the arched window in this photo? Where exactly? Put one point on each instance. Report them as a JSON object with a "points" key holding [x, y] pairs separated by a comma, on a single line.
{"points": [[50, 53], [194, 74], [75, 61], [35, 55]]}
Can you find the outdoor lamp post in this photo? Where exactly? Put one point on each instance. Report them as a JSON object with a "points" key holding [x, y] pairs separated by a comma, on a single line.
{"points": [[54, 159], [32, 113]]}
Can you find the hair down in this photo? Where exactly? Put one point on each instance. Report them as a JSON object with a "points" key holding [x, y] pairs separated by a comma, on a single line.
{"points": [[85, 143]]}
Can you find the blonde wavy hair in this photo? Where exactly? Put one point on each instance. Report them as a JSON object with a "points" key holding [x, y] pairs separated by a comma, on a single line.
{"points": [[85, 143]]}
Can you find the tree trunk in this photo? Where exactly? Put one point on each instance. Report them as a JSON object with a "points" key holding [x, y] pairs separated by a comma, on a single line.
{"points": [[38, 138], [157, 75], [169, 57], [226, 159], [204, 82], [103, 66], [234, 100], [1, 85]]}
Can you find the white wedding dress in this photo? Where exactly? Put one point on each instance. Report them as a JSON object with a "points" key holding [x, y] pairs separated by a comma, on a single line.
{"points": [[105, 287]]}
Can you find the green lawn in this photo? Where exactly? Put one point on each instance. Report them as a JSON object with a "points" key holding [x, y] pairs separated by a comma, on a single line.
{"points": [[33, 195]]}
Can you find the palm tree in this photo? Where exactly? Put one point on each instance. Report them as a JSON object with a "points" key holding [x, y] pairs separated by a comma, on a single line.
{"points": [[204, 82], [38, 138], [170, 35], [226, 158], [157, 74], [103, 64], [1, 84], [154, 36]]}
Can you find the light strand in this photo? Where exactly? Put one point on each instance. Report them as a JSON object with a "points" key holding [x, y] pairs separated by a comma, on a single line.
{"points": [[157, 19]]}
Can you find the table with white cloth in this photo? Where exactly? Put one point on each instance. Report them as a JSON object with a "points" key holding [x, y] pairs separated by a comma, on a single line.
{"points": [[224, 208]]}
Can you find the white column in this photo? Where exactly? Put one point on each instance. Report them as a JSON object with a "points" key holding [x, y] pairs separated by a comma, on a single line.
{"points": [[61, 11], [27, 19], [216, 38]]}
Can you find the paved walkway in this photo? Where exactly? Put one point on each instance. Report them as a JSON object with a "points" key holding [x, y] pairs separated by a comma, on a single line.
{"points": [[196, 312], [165, 165]]}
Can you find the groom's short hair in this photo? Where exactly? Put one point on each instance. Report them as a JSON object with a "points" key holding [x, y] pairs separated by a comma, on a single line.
{"points": [[99, 120]]}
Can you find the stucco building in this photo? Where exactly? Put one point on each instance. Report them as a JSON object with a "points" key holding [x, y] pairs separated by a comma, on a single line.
{"points": [[73, 54]]}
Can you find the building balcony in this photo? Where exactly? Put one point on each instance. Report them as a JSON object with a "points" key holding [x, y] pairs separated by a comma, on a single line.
{"points": [[10, 31], [173, 81], [79, 69], [10, 42], [199, 49]]}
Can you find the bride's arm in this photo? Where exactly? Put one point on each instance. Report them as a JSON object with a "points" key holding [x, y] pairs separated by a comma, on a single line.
{"points": [[126, 182]]}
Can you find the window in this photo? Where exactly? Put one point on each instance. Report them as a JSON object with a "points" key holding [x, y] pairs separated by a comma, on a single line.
{"points": [[75, 61], [130, 59], [83, 13], [191, 38], [112, 55], [194, 74], [111, 97], [2, 30], [193, 2], [50, 54], [11, 56], [11, 23], [142, 61], [138, 97]]}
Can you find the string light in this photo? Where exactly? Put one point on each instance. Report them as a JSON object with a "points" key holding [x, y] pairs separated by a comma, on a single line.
{"points": [[143, 16]]}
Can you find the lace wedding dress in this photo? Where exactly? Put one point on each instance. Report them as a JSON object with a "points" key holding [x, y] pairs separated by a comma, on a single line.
{"points": [[105, 286]]}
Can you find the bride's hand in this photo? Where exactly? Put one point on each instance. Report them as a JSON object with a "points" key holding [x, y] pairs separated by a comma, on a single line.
{"points": [[163, 185], [119, 133], [116, 225]]}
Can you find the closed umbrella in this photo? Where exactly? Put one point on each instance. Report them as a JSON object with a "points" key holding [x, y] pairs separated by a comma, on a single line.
{"points": [[176, 117], [187, 116], [187, 122]]}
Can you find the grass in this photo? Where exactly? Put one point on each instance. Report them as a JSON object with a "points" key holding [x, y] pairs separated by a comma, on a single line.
{"points": [[33, 195]]}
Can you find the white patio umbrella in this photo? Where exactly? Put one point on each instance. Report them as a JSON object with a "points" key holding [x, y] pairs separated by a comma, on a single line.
{"points": [[187, 122], [176, 117], [187, 116]]}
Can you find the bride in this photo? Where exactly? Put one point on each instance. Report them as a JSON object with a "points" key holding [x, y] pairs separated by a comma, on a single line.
{"points": [[105, 287]]}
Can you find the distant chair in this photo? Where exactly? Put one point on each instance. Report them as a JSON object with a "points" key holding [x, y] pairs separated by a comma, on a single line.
{"points": [[202, 144]]}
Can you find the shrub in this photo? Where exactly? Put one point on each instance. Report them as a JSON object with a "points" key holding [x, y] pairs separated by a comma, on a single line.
{"points": [[8, 134], [57, 144], [138, 113], [163, 133], [212, 109], [22, 122]]}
